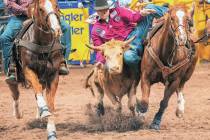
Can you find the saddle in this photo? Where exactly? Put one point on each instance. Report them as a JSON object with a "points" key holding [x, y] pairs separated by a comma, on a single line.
{"points": [[35, 48], [156, 26]]}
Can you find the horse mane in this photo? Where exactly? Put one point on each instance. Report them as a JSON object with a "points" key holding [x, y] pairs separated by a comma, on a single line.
{"points": [[36, 3], [179, 6], [167, 23]]}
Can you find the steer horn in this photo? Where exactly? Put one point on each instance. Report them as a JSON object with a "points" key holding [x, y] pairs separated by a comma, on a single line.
{"points": [[127, 42], [99, 48]]}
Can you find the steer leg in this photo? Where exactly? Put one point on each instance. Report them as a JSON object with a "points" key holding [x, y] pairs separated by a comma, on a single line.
{"points": [[180, 103], [32, 78], [115, 101], [98, 81], [15, 95], [169, 90], [50, 94], [132, 99]]}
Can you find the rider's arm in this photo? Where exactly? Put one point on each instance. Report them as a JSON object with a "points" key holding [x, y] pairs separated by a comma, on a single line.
{"points": [[18, 9], [97, 41], [80, 5], [129, 15]]}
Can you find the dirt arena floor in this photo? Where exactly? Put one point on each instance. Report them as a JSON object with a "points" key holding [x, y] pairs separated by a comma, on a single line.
{"points": [[74, 120]]}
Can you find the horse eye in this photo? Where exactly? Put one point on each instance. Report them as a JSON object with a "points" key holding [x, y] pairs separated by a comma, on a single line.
{"points": [[120, 53], [40, 9]]}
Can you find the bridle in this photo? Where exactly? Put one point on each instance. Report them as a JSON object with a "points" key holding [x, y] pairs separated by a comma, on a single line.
{"points": [[176, 44], [48, 30], [174, 30]]}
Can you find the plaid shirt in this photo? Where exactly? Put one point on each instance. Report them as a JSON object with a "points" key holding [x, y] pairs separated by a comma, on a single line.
{"points": [[18, 7]]}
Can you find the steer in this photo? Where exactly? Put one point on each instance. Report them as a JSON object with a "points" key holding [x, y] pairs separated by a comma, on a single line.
{"points": [[113, 78]]}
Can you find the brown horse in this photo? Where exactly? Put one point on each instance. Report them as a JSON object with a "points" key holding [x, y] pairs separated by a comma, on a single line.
{"points": [[39, 55], [169, 58]]}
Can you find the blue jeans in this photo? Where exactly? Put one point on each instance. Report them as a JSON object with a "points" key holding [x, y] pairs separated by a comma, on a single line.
{"points": [[132, 57], [66, 37], [7, 37]]}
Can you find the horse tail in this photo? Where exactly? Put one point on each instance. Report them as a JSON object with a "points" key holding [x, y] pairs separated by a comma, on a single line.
{"points": [[87, 83]]}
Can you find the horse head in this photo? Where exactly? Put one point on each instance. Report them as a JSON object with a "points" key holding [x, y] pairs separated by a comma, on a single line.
{"points": [[45, 14], [180, 23]]}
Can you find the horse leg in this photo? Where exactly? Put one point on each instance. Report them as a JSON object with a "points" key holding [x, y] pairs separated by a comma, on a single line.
{"points": [[50, 95], [34, 81], [169, 90], [15, 95], [99, 94], [144, 103], [180, 103]]}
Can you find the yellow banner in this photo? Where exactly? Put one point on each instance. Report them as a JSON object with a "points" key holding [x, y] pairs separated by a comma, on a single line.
{"points": [[79, 32]]}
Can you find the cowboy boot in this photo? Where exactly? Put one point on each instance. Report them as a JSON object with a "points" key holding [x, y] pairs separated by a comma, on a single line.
{"points": [[11, 76], [63, 69]]}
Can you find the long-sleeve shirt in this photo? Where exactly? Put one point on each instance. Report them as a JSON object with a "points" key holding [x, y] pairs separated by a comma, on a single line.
{"points": [[120, 24], [18, 7]]}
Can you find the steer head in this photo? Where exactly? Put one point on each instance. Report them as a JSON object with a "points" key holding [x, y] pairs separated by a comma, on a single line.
{"points": [[113, 52]]}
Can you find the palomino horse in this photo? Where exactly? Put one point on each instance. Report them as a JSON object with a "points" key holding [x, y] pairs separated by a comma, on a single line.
{"points": [[39, 55], [169, 58]]}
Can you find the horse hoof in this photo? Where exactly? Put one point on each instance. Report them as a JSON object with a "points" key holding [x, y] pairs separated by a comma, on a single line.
{"points": [[154, 126], [45, 114], [141, 116], [179, 113], [37, 116], [100, 110], [18, 115], [52, 136], [142, 108]]}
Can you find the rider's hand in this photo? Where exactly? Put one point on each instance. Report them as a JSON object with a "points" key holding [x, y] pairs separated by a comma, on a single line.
{"points": [[145, 12], [80, 5]]}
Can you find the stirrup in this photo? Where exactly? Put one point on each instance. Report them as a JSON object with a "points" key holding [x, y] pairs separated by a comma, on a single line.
{"points": [[63, 70], [11, 74]]}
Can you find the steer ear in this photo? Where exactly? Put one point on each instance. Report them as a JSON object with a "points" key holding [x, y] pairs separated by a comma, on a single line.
{"points": [[126, 44], [98, 48]]}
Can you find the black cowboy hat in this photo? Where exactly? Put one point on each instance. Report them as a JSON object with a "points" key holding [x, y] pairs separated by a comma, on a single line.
{"points": [[101, 5]]}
